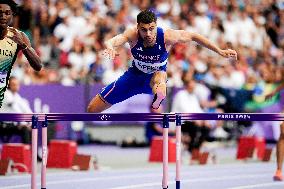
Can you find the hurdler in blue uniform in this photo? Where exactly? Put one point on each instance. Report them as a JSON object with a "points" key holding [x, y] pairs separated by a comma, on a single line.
{"points": [[147, 61], [149, 46]]}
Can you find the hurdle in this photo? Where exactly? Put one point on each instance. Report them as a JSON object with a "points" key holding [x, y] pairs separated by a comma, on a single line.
{"points": [[150, 117]]}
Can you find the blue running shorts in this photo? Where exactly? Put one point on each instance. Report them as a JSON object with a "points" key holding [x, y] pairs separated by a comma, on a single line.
{"points": [[131, 83]]}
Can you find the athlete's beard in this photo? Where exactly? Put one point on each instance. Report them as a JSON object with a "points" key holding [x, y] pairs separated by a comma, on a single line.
{"points": [[150, 42]]}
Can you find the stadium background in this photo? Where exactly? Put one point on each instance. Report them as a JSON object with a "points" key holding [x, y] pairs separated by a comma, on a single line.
{"points": [[68, 35]]}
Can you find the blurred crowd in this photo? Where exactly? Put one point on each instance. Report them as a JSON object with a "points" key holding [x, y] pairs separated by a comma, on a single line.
{"points": [[69, 34]]}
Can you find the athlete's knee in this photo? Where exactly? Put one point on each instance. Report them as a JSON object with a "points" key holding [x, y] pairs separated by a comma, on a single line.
{"points": [[160, 88], [160, 85], [97, 105], [90, 108], [159, 77], [93, 105]]}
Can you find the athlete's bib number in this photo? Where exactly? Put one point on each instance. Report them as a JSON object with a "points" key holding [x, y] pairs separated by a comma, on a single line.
{"points": [[149, 67], [3, 76]]}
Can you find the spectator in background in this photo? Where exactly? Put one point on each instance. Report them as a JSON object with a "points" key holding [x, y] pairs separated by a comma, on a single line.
{"points": [[186, 101], [112, 74], [202, 21], [246, 29], [15, 103], [25, 19], [230, 28]]}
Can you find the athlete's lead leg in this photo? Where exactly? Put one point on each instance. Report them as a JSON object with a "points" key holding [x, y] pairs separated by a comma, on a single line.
{"points": [[97, 105], [159, 88]]}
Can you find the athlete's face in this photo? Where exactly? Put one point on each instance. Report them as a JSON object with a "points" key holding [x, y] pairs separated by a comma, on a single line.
{"points": [[148, 32], [6, 15]]}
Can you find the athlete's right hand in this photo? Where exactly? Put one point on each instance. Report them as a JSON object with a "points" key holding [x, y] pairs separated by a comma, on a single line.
{"points": [[109, 53]]}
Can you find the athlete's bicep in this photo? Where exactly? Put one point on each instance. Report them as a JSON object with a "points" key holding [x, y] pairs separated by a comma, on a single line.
{"points": [[120, 39], [177, 36]]}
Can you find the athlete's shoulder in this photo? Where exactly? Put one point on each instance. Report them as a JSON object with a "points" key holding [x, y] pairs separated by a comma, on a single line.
{"points": [[169, 35], [25, 37], [130, 32], [131, 35]]}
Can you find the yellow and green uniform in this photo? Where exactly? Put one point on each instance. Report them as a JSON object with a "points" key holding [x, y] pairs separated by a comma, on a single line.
{"points": [[8, 54]]}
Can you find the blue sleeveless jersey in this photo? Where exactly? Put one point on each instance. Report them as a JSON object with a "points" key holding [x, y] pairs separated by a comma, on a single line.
{"points": [[136, 80], [150, 59]]}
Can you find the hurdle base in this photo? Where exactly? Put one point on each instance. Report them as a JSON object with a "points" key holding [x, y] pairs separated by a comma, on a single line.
{"points": [[177, 184]]}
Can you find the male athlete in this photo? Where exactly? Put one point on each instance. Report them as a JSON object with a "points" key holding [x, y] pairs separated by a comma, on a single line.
{"points": [[150, 46], [11, 42], [280, 144]]}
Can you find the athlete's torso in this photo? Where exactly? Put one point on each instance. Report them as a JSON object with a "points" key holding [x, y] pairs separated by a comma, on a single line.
{"points": [[8, 55], [150, 59]]}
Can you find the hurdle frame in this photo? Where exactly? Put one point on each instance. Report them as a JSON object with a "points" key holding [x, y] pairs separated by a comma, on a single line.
{"points": [[34, 151], [165, 118]]}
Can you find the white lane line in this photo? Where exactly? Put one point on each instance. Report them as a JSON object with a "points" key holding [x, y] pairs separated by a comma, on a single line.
{"points": [[237, 177], [86, 180], [209, 168], [262, 185]]}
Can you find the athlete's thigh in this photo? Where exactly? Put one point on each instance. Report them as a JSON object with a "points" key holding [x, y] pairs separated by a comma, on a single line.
{"points": [[126, 86]]}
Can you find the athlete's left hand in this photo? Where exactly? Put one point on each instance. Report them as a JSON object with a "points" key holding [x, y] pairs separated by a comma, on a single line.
{"points": [[17, 37], [110, 53], [229, 53]]}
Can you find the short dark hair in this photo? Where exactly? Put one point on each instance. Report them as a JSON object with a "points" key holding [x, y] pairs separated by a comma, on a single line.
{"points": [[146, 17], [13, 5]]}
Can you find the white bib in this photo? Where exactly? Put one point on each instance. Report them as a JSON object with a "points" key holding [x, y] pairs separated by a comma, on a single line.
{"points": [[149, 67]]}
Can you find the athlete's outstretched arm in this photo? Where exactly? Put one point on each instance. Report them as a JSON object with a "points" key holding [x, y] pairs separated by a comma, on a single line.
{"points": [[117, 41], [24, 44], [182, 36]]}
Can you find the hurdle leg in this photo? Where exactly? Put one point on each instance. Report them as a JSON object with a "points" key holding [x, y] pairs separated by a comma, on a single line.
{"points": [[165, 151], [178, 150], [44, 154], [34, 151]]}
